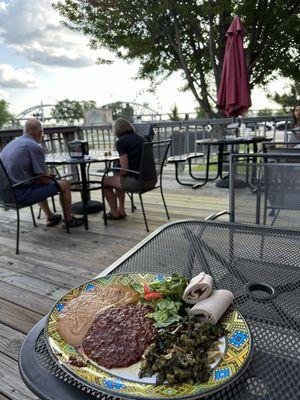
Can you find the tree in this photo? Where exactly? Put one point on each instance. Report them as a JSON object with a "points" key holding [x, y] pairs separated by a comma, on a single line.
{"points": [[174, 116], [119, 110], [88, 104], [189, 36], [67, 110], [5, 115], [200, 113], [71, 110], [288, 100], [265, 112]]}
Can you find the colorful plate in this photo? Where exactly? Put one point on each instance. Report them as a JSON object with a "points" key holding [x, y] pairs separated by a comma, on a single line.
{"points": [[124, 383]]}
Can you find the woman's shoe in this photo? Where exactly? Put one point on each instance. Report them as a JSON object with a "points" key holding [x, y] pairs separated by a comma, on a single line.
{"points": [[110, 216]]}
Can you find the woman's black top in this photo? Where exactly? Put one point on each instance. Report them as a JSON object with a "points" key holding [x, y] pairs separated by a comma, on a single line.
{"points": [[132, 145]]}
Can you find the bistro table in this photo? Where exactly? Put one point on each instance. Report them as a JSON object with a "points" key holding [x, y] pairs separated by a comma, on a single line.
{"points": [[86, 206], [231, 143], [260, 265]]}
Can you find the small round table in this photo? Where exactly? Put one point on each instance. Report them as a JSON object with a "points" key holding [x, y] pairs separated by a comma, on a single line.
{"points": [[85, 186]]}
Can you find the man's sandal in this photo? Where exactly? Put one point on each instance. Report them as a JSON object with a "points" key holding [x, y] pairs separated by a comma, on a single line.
{"points": [[54, 220], [74, 222]]}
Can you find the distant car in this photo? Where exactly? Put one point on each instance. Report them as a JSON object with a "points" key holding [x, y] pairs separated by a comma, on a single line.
{"points": [[234, 125], [280, 126], [268, 125], [251, 125]]}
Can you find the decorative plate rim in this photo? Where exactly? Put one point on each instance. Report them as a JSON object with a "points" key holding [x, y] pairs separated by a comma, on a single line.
{"points": [[135, 396]]}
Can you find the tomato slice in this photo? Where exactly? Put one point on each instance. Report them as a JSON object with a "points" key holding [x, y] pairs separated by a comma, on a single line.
{"points": [[146, 288], [153, 296]]}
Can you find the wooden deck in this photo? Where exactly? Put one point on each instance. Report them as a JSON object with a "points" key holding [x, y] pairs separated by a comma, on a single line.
{"points": [[51, 262]]}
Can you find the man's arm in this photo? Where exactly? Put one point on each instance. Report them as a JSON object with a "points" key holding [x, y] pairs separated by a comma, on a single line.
{"points": [[43, 181], [38, 164]]}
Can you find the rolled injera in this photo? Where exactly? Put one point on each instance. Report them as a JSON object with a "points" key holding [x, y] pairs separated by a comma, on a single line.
{"points": [[211, 309], [198, 289]]}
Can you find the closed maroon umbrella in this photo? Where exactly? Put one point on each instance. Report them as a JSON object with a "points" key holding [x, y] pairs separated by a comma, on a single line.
{"points": [[234, 94]]}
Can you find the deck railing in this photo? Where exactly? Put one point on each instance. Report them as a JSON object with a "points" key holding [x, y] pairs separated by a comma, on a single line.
{"points": [[102, 137]]}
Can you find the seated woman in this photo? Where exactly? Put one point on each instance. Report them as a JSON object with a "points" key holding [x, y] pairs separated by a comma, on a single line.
{"points": [[295, 137], [130, 148]]}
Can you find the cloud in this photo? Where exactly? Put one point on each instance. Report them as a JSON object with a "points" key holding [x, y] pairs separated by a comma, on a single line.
{"points": [[11, 78], [3, 95], [57, 60], [33, 29]]}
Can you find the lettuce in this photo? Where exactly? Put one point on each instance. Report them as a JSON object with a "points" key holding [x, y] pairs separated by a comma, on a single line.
{"points": [[172, 288], [166, 313]]}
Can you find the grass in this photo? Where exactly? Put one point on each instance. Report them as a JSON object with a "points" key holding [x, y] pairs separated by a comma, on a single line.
{"points": [[202, 167]]}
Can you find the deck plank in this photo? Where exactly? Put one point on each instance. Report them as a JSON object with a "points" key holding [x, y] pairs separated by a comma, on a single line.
{"points": [[51, 262], [12, 385]]}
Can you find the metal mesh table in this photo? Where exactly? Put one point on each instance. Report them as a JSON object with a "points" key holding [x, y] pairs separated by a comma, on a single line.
{"points": [[260, 265]]}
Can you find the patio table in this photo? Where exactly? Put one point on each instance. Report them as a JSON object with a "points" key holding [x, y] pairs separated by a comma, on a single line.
{"points": [[231, 143], [86, 206], [260, 265]]}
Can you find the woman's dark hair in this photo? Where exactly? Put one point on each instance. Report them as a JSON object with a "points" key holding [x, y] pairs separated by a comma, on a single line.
{"points": [[294, 118]]}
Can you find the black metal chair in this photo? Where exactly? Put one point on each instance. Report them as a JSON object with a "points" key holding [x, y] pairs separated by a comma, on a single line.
{"points": [[151, 167], [8, 199], [55, 145], [145, 130], [273, 198]]}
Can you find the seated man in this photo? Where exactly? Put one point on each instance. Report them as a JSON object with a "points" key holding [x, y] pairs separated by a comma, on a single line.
{"points": [[23, 158]]}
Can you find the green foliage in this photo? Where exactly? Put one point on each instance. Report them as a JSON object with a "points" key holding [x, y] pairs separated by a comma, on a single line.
{"points": [[5, 115], [266, 112], [289, 99], [201, 114], [88, 104], [280, 112], [189, 36], [174, 116], [118, 110], [71, 110]]}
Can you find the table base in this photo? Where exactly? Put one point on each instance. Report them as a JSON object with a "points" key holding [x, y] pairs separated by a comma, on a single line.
{"points": [[92, 207], [224, 183]]}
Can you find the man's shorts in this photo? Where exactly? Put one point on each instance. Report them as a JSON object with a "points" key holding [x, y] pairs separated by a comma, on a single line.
{"points": [[36, 193]]}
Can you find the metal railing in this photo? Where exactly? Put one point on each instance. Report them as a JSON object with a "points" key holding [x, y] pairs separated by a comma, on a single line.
{"points": [[102, 136]]}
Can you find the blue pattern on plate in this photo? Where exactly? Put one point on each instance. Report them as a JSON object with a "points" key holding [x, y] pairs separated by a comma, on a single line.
{"points": [[90, 286], [238, 338], [113, 384], [222, 373], [59, 307], [160, 277]]}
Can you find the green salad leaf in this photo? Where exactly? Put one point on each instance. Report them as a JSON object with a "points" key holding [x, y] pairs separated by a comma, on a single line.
{"points": [[172, 288], [165, 313]]}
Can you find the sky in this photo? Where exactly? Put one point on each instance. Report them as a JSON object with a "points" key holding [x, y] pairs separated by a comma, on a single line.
{"points": [[43, 61]]}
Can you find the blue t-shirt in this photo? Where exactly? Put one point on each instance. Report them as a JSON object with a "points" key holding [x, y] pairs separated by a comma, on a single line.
{"points": [[23, 158]]}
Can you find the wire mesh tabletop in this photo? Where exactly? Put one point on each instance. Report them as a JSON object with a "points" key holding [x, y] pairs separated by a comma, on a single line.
{"points": [[93, 157], [260, 265]]}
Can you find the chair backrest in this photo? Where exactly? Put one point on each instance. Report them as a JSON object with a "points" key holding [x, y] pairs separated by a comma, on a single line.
{"points": [[53, 144], [7, 194], [184, 142], [282, 148], [271, 191], [145, 130], [153, 159], [279, 147]]}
